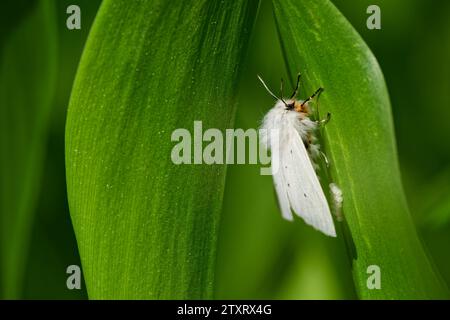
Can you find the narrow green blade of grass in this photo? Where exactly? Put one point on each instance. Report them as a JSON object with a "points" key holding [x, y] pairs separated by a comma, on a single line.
{"points": [[27, 80], [432, 209], [147, 228], [318, 41], [433, 217]]}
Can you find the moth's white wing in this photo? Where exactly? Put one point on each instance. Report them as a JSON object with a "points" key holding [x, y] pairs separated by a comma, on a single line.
{"points": [[301, 184], [281, 187]]}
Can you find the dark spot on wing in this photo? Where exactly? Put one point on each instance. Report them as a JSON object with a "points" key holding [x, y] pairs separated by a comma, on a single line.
{"points": [[305, 195]]}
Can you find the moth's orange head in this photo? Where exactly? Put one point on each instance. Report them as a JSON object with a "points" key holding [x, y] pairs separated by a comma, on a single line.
{"points": [[300, 107]]}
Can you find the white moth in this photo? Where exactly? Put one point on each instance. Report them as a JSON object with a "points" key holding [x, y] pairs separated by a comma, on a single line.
{"points": [[295, 179]]}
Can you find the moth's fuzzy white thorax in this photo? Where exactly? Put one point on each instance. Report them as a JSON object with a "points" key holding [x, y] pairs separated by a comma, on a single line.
{"points": [[278, 118]]}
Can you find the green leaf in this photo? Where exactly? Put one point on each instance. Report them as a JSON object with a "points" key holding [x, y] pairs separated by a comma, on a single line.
{"points": [[147, 228], [27, 80], [359, 140]]}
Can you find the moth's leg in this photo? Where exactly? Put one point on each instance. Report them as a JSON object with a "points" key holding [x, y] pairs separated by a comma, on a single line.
{"points": [[323, 122], [317, 94], [325, 158], [318, 91]]}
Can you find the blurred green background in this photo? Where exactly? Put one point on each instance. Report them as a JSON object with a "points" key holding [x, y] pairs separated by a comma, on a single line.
{"points": [[260, 255]]}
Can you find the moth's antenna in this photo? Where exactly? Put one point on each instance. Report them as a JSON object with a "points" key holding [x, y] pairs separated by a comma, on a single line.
{"points": [[281, 92], [296, 86], [267, 88]]}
